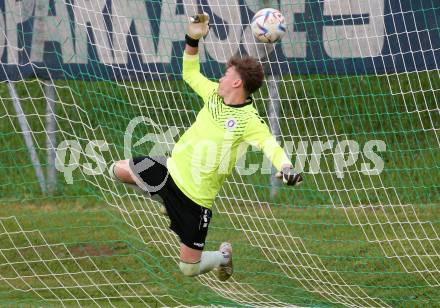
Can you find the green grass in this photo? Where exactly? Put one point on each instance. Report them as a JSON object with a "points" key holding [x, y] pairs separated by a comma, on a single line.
{"points": [[364, 240], [89, 249]]}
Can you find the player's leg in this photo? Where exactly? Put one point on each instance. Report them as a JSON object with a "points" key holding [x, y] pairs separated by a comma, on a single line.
{"points": [[190, 221], [189, 260], [121, 171], [194, 262]]}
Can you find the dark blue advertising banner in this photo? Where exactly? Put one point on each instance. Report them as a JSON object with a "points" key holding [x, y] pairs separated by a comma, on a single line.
{"points": [[143, 39]]}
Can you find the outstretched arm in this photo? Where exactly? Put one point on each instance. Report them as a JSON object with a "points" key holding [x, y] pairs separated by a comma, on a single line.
{"points": [[257, 134], [198, 28]]}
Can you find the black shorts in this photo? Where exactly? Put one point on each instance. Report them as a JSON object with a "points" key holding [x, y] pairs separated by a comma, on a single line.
{"points": [[189, 220]]}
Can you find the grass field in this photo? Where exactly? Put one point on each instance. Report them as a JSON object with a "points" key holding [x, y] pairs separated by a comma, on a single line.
{"points": [[360, 240], [89, 251]]}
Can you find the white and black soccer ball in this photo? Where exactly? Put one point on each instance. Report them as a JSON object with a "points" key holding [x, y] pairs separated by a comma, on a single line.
{"points": [[268, 25]]}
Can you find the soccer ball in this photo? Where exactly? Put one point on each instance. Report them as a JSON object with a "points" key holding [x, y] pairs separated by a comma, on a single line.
{"points": [[268, 25]]}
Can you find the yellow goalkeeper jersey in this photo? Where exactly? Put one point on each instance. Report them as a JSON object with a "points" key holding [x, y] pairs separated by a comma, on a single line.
{"points": [[208, 151]]}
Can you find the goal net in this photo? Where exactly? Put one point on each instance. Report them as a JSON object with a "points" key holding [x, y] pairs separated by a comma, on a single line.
{"points": [[351, 93]]}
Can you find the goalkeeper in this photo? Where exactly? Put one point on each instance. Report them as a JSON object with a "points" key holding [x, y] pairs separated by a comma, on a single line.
{"points": [[205, 155]]}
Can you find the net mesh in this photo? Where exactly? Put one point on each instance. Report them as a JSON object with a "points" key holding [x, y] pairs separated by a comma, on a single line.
{"points": [[362, 230]]}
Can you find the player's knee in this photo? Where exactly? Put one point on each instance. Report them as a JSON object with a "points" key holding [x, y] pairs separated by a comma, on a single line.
{"points": [[118, 171], [189, 269]]}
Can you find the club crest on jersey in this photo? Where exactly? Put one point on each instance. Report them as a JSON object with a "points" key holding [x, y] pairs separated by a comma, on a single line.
{"points": [[230, 124]]}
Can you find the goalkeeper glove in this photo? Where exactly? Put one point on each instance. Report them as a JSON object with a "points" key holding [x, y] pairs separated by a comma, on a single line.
{"points": [[289, 176], [199, 26]]}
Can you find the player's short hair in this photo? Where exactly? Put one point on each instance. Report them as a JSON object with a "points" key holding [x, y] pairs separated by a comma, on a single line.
{"points": [[250, 71]]}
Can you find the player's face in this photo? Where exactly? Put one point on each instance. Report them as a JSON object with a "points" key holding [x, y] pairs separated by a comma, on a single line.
{"points": [[229, 82]]}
